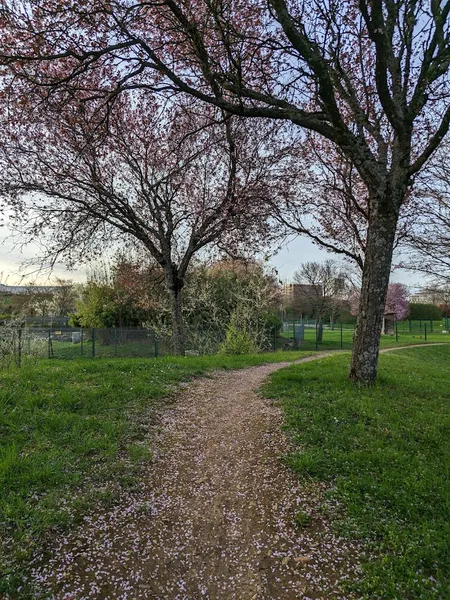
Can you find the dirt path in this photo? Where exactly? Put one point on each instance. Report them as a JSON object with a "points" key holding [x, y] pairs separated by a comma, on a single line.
{"points": [[413, 346], [214, 517]]}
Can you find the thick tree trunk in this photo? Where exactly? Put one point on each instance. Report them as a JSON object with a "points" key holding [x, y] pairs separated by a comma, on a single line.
{"points": [[178, 333], [375, 281], [175, 287]]}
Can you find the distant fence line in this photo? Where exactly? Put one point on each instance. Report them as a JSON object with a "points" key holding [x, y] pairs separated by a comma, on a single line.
{"points": [[408, 325], [19, 345]]}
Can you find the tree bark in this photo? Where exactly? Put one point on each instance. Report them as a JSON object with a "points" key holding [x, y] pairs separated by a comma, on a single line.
{"points": [[320, 329], [375, 281], [178, 332], [175, 286]]}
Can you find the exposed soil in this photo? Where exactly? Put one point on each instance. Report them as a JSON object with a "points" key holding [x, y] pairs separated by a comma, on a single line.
{"points": [[215, 515]]}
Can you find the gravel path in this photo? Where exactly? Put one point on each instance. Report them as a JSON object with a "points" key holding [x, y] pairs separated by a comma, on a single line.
{"points": [[214, 517]]}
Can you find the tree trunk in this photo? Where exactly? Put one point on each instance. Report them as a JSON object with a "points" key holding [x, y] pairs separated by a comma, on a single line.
{"points": [[375, 281], [175, 286], [178, 333], [319, 329]]}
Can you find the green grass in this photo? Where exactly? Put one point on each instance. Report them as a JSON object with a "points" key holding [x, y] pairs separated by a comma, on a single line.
{"points": [[386, 453], [71, 435], [332, 339]]}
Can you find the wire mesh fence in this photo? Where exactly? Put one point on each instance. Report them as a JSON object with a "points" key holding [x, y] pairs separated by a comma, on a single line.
{"points": [[20, 344], [314, 335]]}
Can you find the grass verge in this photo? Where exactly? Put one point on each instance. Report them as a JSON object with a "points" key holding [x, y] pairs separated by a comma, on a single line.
{"points": [[386, 452], [72, 433]]}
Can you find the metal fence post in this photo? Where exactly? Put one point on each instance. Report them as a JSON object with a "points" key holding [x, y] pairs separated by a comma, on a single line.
{"points": [[317, 342], [342, 338], [155, 339], [81, 341], [49, 344], [425, 332], [396, 331], [274, 339], [115, 341], [93, 342]]}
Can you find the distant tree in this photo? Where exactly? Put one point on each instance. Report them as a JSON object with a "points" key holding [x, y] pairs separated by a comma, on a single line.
{"points": [[6, 305], [33, 301], [102, 306], [370, 77], [141, 281], [418, 311], [396, 303], [172, 182], [325, 287], [63, 297]]}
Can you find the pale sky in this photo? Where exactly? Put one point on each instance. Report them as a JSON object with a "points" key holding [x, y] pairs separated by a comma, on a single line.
{"points": [[286, 262], [14, 272]]}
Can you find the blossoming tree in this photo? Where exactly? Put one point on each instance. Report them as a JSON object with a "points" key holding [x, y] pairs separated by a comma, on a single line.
{"points": [[372, 77]]}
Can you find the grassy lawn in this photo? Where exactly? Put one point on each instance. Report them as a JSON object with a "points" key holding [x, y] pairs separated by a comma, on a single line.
{"points": [[72, 434], [332, 340], [386, 453]]}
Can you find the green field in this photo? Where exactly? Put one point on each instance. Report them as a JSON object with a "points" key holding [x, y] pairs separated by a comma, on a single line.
{"points": [[72, 434], [337, 339], [385, 453]]}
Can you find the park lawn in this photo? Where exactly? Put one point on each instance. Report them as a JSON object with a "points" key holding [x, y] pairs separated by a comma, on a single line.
{"points": [[385, 452], [334, 340], [72, 434]]}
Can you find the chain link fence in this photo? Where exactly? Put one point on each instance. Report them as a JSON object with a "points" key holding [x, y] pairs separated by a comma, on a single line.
{"points": [[314, 335], [20, 344]]}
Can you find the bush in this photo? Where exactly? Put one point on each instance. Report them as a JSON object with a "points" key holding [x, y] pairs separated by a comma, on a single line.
{"points": [[74, 320], [272, 322], [16, 341], [419, 311], [237, 341]]}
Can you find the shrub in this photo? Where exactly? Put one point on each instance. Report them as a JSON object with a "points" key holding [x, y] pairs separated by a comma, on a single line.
{"points": [[419, 311], [17, 341], [237, 340]]}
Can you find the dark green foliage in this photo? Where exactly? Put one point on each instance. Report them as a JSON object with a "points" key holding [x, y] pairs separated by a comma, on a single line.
{"points": [[103, 306], [386, 450], [419, 311]]}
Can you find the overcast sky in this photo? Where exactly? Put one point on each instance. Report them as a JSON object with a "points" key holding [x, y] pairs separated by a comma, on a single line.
{"points": [[286, 262]]}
